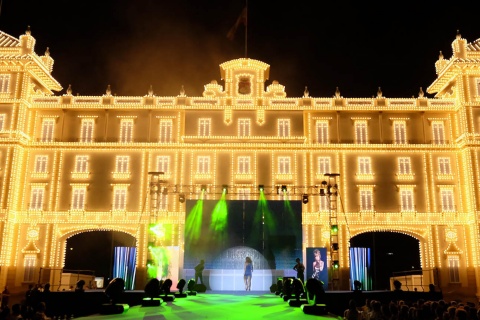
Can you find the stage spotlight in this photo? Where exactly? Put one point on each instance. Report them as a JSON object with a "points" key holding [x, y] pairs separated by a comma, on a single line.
{"points": [[334, 229], [225, 188], [152, 292], [152, 288], [335, 264], [165, 289], [261, 187], [284, 188], [181, 198], [357, 285], [335, 246], [322, 188], [180, 285], [203, 187], [115, 289], [305, 198], [191, 287], [167, 284]]}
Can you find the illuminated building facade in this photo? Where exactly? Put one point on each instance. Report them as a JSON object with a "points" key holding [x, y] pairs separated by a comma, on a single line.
{"points": [[72, 164]]}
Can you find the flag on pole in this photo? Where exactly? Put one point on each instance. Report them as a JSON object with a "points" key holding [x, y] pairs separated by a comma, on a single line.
{"points": [[242, 19]]}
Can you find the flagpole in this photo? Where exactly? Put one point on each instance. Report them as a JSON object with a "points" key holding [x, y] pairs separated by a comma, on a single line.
{"points": [[246, 26]]}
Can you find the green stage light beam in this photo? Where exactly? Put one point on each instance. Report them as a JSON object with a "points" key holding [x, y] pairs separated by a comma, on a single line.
{"points": [[193, 225], [160, 261], [158, 230], [219, 217]]}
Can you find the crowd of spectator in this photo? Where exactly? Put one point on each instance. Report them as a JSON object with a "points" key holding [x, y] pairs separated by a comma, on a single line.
{"points": [[418, 310]]}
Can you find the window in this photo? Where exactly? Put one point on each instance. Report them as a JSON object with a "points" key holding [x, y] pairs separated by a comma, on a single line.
{"points": [[163, 164], [284, 165], [166, 130], [444, 166], [36, 198], [448, 204], [322, 131], [126, 130], [243, 165], [78, 198], [366, 200], [47, 130], [2, 122], [438, 132], [204, 128], [243, 127], [406, 199], [86, 133], [283, 127], [41, 164], [119, 198], [361, 131], [404, 166], [121, 164], [81, 164], [453, 268], [29, 263], [400, 132], [364, 165], [323, 165], [203, 165], [4, 83]]}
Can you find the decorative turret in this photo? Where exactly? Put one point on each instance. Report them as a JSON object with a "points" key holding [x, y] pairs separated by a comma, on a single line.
{"points": [[421, 94], [47, 60], [379, 93], [306, 94], [150, 91], [182, 91], [459, 47], [69, 90], [440, 64], [108, 92], [337, 93], [27, 42]]}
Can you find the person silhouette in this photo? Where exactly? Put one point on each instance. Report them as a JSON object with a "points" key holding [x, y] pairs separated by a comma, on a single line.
{"points": [[300, 268], [199, 271]]}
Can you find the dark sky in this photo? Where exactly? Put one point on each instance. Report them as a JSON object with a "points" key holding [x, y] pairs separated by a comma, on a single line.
{"points": [[356, 46]]}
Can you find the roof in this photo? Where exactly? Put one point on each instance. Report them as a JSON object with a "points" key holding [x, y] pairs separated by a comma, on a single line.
{"points": [[7, 40]]}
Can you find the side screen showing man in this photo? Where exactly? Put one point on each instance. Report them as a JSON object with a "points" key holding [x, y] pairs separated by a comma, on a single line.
{"points": [[316, 266]]}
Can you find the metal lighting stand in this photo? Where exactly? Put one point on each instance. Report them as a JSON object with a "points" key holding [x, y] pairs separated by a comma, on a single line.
{"points": [[330, 190]]}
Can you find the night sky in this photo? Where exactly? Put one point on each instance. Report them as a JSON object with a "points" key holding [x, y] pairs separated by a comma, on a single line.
{"points": [[131, 45]]}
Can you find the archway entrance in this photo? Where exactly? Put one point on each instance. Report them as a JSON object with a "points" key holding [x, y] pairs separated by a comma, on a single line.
{"points": [[390, 252], [94, 250]]}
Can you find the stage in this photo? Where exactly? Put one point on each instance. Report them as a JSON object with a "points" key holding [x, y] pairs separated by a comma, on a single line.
{"points": [[215, 304]]}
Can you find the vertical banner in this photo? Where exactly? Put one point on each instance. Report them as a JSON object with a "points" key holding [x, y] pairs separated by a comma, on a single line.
{"points": [[360, 269], [316, 265], [124, 265]]}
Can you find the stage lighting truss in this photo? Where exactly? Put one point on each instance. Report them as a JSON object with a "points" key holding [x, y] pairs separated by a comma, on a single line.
{"points": [[303, 193]]}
